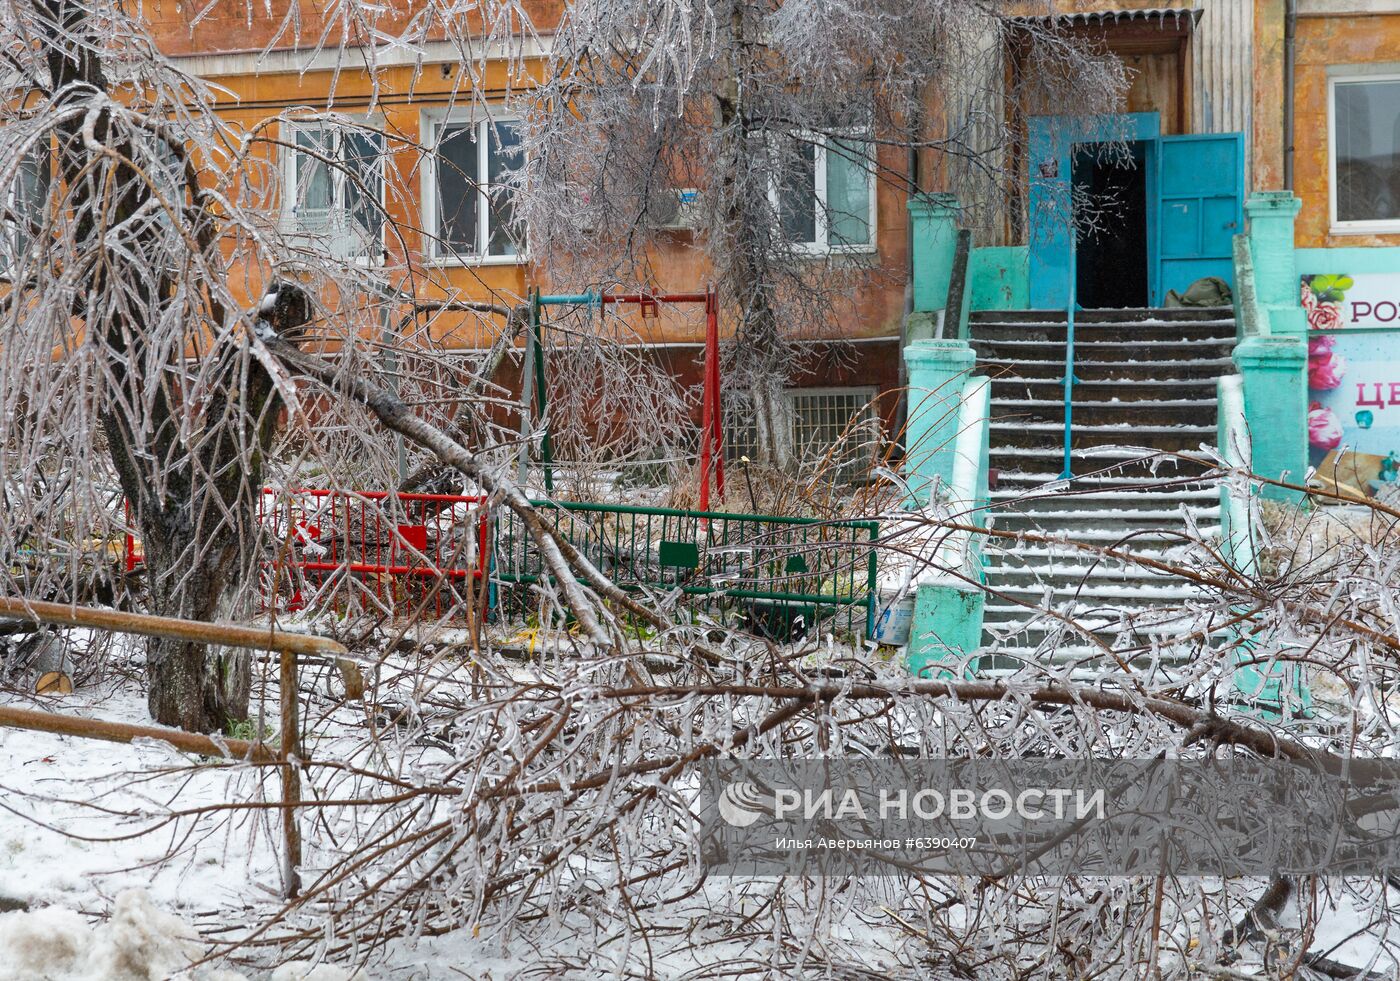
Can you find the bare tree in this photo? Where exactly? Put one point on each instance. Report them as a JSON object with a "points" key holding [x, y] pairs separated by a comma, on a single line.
{"points": [[129, 342], [779, 119]]}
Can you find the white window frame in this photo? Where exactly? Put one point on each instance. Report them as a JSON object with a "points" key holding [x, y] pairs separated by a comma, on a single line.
{"points": [[822, 246], [1389, 226], [432, 122], [11, 229], [291, 193]]}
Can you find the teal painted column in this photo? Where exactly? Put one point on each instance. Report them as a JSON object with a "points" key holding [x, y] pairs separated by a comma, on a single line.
{"points": [[947, 628], [1271, 217], [949, 602], [937, 371], [933, 221], [1275, 404]]}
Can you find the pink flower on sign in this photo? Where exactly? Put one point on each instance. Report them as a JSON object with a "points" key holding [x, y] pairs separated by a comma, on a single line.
{"points": [[1324, 428], [1325, 316], [1309, 300], [1325, 371], [1320, 345]]}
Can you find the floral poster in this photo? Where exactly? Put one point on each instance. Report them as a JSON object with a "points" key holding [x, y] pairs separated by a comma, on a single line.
{"points": [[1353, 386], [1339, 302]]}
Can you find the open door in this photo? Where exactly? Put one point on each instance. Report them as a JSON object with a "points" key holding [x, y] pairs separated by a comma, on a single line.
{"points": [[1053, 144], [1201, 201]]}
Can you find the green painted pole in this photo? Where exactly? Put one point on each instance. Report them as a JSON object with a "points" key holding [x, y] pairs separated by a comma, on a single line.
{"points": [[541, 403]]}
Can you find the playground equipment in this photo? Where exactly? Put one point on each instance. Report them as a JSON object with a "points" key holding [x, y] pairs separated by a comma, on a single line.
{"points": [[712, 423], [426, 556]]}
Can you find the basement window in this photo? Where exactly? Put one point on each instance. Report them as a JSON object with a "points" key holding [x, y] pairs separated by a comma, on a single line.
{"points": [[833, 430], [1364, 124]]}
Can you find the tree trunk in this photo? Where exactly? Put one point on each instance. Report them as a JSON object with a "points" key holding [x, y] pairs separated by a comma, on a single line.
{"points": [[744, 256], [191, 686], [773, 423]]}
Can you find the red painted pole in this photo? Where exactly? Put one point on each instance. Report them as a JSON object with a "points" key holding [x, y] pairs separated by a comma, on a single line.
{"points": [[712, 341], [707, 409]]}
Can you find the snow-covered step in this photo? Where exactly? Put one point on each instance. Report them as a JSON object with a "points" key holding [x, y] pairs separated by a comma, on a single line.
{"points": [[1012, 576], [1107, 314], [1107, 345], [1133, 539], [1007, 515], [1013, 433], [1110, 391], [1091, 369], [1120, 524], [1131, 494], [1050, 485], [1088, 414], [1095, 594], [1089, 460], [1144, 414], [1145, 621]]}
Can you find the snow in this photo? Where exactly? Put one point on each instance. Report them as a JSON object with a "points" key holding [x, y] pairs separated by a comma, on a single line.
{"points": [[139, 942], [70, 850]]}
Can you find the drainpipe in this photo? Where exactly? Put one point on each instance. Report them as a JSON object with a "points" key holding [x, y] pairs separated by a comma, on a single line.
{"points": [[902, 406], [1290, 55]]}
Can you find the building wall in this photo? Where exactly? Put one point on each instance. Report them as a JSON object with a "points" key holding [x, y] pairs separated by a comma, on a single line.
{"points": [[227, 47], [1222, 65], [1330, 33]]}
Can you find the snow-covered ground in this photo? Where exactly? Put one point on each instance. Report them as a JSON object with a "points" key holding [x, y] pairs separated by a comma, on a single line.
{"points": [[110, 873]]}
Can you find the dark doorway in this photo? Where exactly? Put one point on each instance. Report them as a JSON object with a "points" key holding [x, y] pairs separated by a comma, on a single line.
{"points": [[1110, 200]]}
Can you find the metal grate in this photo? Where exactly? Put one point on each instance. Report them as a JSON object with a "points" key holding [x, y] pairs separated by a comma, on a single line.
{"points": [[823, 420]]}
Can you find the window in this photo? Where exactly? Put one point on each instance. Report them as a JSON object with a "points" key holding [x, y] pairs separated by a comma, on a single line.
{"points": [[826, 199], [469, 191], [334, 189], [1365, 153], [835, 429], [23, 202]]}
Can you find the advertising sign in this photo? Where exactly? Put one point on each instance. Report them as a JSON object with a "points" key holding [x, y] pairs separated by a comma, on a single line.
{"points": [[1338, 302], [1354, 378], [1354, 396]]}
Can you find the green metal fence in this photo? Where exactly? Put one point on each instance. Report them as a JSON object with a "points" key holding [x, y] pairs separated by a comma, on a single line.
{"points": [[780, 577]]}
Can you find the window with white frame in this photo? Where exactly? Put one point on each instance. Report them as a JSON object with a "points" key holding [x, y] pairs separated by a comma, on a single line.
{"points": [[334, 188], [826, 197], [469, 189], [23, 202], [1365, 152]]}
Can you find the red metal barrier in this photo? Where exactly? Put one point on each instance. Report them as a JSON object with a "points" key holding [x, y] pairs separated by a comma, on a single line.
{"points": [[368, 549]]}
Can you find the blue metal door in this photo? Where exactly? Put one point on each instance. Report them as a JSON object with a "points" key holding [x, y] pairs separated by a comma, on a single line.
{"points": [[1201, 201], [1050, 143]]}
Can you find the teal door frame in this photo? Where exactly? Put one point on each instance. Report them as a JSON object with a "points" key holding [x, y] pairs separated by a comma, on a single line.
{"points": [[1051, 162]]}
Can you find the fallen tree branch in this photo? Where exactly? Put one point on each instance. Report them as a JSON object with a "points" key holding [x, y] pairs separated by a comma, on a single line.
{"points": [[560, 556], [221, 634]]}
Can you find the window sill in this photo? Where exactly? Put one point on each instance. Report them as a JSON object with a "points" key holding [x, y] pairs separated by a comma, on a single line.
{"points": [[1365, 228], [852, 252], [472, 262]]}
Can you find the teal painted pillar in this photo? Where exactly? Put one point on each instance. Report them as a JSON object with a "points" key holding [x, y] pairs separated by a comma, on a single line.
{"points": [[947, 629], [1271, 217], [1275, 405], [937, 371], [933, 221]]}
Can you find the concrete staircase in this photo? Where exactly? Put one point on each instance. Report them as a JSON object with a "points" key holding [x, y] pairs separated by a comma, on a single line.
{"points": [[1146, 387]]}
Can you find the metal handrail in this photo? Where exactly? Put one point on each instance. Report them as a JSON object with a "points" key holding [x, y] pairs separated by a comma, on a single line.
{"points": [[1069, 379]]}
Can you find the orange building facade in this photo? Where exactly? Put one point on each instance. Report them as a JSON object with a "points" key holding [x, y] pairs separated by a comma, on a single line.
{"points": [[1213, 71]]}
